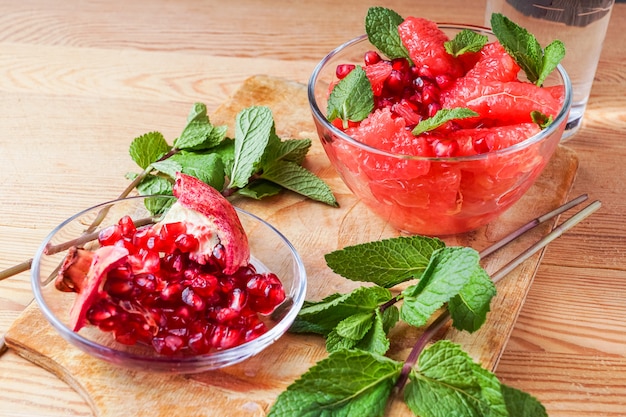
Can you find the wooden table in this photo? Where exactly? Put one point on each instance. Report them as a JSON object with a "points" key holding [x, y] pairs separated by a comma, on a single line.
{"points": [[78, 81]]}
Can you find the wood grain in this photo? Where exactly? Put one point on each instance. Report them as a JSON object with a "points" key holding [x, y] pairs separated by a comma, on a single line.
{"points": [[66, 122], [248, 389]]}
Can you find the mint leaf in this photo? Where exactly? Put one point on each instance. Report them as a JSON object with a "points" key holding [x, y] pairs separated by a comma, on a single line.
{"points": [[326, 314], [522, 404], [167, 166], [448, 382], [441, 117], [260, 189], [148, 148], [346, 384], [355, 326], [526, 50], [386, 262], [199, 133], [381, 26], [254, 126], [154, 185], [352, 98], [298, 179], [376, 340], [465, 41], [553, 54], [470, 306], [541, 119], [209, 168], [449, 271], [292, 150]]}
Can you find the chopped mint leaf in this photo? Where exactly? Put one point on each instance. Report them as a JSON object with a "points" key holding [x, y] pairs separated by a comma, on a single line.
{"points": [[448, 382], [441, 117], [253, 129], [329, 312], [449, 271], [541, 119], [352, 98], [465, 41], [386, 262], [296, 178], [349, 383], [526, 50], [381, 26], [148, 148]]}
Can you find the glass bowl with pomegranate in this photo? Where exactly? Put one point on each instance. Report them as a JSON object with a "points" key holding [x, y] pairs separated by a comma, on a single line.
{"points": [[440, 128], [182, 284]]}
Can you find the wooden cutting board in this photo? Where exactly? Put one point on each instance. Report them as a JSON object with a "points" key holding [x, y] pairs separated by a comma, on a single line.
{"points": [[249, 388]]}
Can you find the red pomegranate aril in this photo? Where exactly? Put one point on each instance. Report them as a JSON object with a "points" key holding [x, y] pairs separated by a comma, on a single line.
{"points": [[186, 242], [445, 148], [371, 58], [443, 81], [172, 292], [127, 226], [168, 345], [119, 287], [237, 299], [343, 70], [480, 145], [185, 305], [193, 300], [109, 235]]}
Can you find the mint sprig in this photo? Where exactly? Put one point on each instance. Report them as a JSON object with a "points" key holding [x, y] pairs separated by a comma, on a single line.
{"points": [[442, 379], [352, 98], [465, 41], [536, 62], [441, 117], [256, 163], [381, 26]]}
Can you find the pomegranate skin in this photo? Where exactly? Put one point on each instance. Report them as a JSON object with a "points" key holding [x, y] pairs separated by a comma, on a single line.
{"points": [[201, 197]]}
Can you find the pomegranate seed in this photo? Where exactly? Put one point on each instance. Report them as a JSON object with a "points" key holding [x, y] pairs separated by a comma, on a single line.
{"points": [[109, 235], [193, 300], [371, 58], [237, 299], [480, 145], [443, 81], [172, 292], [186, 242], [343, 70], [121, 288], [127, 226], [168, 345], [445, 148]]}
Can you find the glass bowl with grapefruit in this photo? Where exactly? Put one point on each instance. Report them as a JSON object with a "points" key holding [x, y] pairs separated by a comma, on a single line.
{"points": [[437, 128]]}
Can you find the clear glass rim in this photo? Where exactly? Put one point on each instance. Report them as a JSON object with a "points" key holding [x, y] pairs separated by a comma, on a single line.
{"points": [[320, 116], [231, 355]]}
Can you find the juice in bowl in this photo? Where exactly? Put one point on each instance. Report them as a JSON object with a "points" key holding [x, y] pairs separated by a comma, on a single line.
{"points": [[437, 128]]}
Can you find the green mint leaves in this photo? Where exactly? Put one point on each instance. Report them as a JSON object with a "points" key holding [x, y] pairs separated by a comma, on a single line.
{"points": [[526, 50], [357, 380], [441, 117], [347, 383], [255, 164], [446, 382], [465, 41], [352, 99], [381, 26]]}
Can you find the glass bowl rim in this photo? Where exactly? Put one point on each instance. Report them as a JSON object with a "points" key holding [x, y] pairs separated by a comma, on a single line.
{"points": [[234, 354], [543, 134]]}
